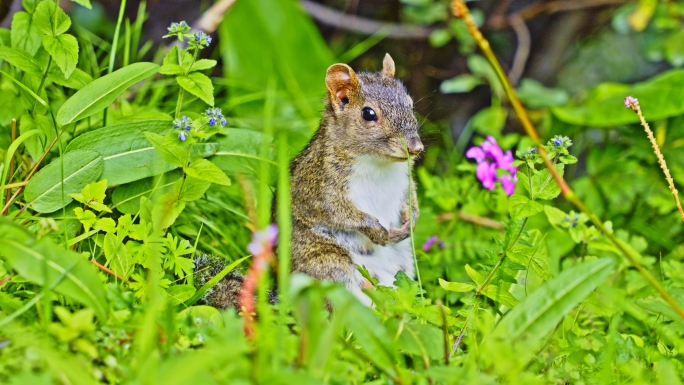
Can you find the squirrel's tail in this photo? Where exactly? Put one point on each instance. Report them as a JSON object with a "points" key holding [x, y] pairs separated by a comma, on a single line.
{"points": [[226, 292]]}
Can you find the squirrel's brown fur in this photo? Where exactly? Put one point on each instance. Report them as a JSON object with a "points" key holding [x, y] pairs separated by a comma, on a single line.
{"points": [[329, 230]]}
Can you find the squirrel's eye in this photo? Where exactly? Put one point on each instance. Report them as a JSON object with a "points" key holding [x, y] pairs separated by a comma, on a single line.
{"points": [[368, 114]]}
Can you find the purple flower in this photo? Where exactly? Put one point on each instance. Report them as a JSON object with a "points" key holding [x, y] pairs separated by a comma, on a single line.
{"points": [[490, 158], [431, 241], [264, 240], [632, 102], [182, 136], [212, 121]]}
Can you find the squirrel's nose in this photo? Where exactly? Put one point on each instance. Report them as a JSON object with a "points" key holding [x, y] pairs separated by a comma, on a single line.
{"points": [[415, 146]]}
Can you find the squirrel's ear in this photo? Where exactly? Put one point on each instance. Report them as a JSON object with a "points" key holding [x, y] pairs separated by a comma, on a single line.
{"points": [[388, 66], [342, 82]]}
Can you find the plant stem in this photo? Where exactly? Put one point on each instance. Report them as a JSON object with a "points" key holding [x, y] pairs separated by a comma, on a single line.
{"points": [[12, 162], [460, 10], [42, 82], [501, 261], [112, 55]]}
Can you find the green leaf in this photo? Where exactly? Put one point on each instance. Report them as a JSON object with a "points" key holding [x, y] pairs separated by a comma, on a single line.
{"points": [[30, 5], [24, 33], [193, 188], [165, 211], [100, 93], [85, 3], [239, 152], [203, 64], [460, 84], [199, 85], [500, 295], [543, 184], [604, 106], [76, 81], [21, 59], [205, 170], [118, 257], [36, 145], [521, 206], [474, 275], [44, 191], [92, 195], [456, 286], [44, 16], [128, 155], [170, 65], [171, 152], [530, 321], [126, 198], [41, 262], [533, 94], [490, 120], [86, 217], [180, 293]]}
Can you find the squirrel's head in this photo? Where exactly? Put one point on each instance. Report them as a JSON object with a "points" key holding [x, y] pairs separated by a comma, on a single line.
{"points": [[374, 111]]}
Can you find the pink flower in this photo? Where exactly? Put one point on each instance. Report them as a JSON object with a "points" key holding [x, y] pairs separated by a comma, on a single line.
{"points": [[264, 240], [431, 241], [490, 158]]}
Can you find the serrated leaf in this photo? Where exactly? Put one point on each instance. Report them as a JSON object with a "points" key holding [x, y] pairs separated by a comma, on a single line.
{"points": [[205, 170], [100, 93], [86, 217], [24, 33], [521, 206], [456, 286], [199, 85], [21, 59], [118, 257], [44, 191], [42, 262], [64, 50], [48, 22], [92, 195]]}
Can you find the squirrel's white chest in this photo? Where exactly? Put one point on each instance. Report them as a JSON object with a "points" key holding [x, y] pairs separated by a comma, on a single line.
{"points": [[378, 187]]}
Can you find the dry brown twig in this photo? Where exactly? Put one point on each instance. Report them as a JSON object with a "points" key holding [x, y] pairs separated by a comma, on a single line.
{"points": [[633, 104]]}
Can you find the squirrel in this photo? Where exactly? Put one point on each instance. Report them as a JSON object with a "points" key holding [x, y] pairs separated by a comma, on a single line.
{"points": [[350, 188]]}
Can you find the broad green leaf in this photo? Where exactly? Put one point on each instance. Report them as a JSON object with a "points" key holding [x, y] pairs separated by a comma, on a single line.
{"points": [[193, 188], [100, 93], [543, 184], [420, 340], [474, 275], [530, 321], [41, 262], [30, 5], [534, 95], [128, 155], [24, 33], [490, 120], [659, 98], [239, 151], [35, 145], [48, 22], [199, 85], [173, 153], [500, 295], [21, 59], [165, 211], [76, 81], [459, 84], [118, 257], [126, 198], [86, 217], [456, 286], [171, 66], [521, 206], [205, 170], [44, 191], [203, 64], [180, 293]]}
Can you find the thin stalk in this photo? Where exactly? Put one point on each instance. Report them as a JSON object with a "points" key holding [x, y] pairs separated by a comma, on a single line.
{"points": [[501, 261], [12, 162], [112, 54], [460, 10], [410, 204], [42, 82]]}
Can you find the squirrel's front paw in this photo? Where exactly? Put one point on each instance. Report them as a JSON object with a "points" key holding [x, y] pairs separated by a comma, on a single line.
{"points": [[377, 233], [398, 235]]}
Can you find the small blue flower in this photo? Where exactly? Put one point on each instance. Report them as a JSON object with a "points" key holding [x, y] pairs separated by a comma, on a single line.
{"points": [[212, 121], [182, 136], [208, 40], [557, 142], [178, 30], [223, 122], [200, 40]]}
